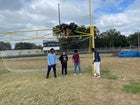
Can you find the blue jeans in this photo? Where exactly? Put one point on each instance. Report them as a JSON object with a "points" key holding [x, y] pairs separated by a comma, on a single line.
{"points": [[49, 69], [75, 67]]}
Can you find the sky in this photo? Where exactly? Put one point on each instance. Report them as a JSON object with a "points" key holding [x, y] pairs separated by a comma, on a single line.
{"points": [[123, 15]]}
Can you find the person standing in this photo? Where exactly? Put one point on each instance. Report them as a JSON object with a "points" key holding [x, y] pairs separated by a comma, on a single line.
{"points": [[96, 63], [64, 58], [76, 60], [52, 61]]}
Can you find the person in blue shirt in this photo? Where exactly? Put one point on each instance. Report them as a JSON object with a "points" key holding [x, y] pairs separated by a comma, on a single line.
{"points": [[52, 61], [96, 63]]}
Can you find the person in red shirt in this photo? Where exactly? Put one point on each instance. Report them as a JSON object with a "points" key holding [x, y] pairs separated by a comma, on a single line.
{"points": [[76, 60]]}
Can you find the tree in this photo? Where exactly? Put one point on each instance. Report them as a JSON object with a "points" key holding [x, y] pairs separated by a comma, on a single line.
{"points": [[67, 30], [25, 45], [111, 38], [123, 41], [133, 39], [96, 31], [73, 29], [5, 46]]}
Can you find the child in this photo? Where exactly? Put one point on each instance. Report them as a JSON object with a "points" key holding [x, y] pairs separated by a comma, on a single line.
{"points": [[96, 63], [64, 58], [52, 61], [76, 60]]}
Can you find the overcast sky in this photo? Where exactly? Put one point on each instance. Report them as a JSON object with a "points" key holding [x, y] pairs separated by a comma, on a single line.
{"points": [[124, 15]]}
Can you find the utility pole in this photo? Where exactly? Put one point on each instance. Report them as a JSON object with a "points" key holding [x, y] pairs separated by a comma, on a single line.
{"points": [[59, 14], [59, 19], [138, 40], [90, 13]]}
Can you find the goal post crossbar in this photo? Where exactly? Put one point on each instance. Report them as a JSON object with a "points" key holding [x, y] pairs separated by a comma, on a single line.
{"points": [[23, 37]]}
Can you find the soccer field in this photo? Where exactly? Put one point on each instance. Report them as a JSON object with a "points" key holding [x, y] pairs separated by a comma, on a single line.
{"points": [[32, 88]]}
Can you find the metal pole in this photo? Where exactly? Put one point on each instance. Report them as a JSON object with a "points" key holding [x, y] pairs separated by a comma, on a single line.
{"points": [[59, 18], [93, 44], [59, 14], [138, 40], [91, 32], [90, 14]]}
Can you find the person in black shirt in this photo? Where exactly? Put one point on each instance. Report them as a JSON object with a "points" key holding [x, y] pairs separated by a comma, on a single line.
{"points": [[64, 58]]}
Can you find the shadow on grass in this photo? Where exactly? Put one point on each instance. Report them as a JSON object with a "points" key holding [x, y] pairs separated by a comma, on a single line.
{"points": [[107, 74], [133, 87]]}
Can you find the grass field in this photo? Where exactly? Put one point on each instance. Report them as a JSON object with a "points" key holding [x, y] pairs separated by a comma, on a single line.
{"points": [[119, 75]]}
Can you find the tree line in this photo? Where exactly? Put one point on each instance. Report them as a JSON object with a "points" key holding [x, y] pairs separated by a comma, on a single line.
{"points": [[19, 46], [111, 38], [108, 39]]}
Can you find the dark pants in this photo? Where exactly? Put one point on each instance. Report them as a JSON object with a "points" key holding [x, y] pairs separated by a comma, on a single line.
{"points": [[49, 69], [64, 66]]}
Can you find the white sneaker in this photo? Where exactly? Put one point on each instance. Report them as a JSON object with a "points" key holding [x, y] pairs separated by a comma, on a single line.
{"points": [[74, 73], [80, 73]]}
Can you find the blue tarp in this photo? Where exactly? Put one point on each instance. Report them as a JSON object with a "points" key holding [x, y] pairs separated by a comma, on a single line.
{"points": [[129, 54]]}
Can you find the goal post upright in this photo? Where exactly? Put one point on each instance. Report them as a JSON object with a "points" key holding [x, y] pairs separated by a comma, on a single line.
{"points": [[91, 33], [93, 43]]}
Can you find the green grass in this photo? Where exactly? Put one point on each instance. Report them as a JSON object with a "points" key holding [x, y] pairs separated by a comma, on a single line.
{"points": [[107, 74], [132, 88], [2, 71]]}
